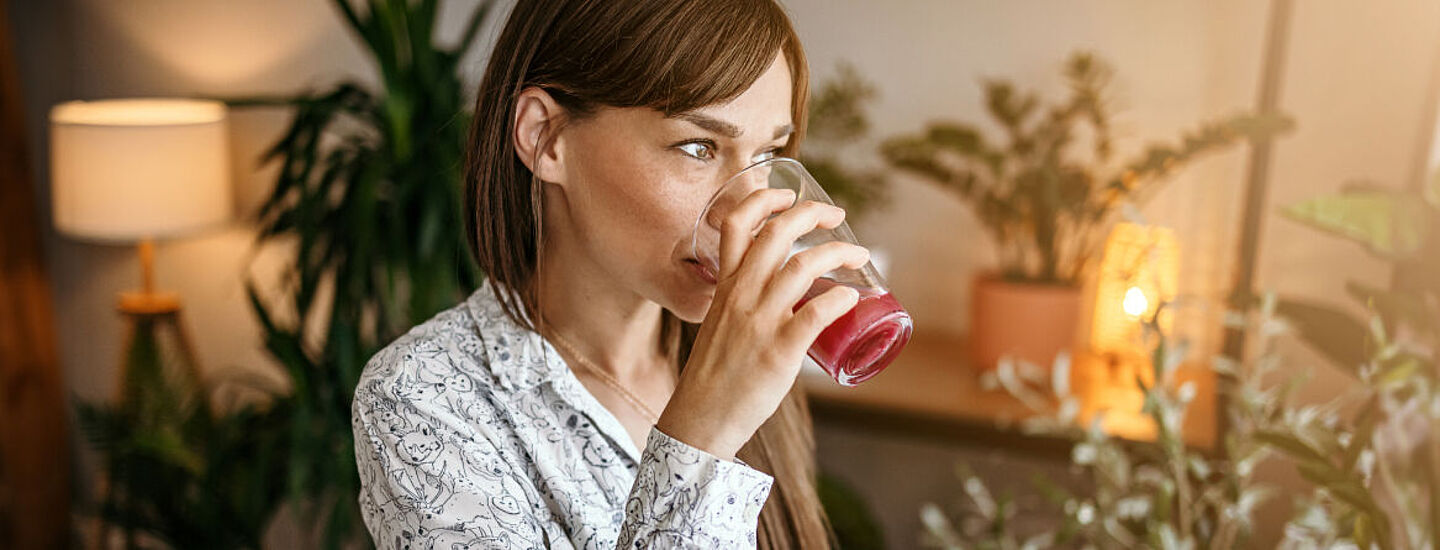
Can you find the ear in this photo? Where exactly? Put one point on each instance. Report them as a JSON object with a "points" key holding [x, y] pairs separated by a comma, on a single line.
{"points": [[538, 119]]}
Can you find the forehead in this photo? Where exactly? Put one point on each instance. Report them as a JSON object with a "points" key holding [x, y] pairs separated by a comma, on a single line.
{"points": [[755, 114], [762, 107]]}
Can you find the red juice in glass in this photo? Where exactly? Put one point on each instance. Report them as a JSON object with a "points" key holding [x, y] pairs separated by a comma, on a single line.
{"points": [[864, 341]]}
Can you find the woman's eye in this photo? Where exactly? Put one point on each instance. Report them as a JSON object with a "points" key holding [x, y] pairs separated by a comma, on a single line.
{"points": [[762, 157], [699, 150]]}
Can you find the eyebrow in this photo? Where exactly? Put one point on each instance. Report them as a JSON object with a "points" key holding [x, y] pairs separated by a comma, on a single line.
{"points": [[725, 128]]}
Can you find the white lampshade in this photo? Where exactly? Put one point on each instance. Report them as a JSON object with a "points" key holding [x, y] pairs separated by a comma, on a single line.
{"points": [[129, 169]]}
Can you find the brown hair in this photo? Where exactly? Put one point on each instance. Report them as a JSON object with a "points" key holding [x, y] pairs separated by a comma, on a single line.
{"points": [[667, 55]]}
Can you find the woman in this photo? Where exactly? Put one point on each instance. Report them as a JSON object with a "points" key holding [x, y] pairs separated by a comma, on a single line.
{"points": [[571, 402]]}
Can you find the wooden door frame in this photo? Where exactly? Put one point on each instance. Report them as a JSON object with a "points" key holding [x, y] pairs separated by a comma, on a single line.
{"points": [[34, 445]]}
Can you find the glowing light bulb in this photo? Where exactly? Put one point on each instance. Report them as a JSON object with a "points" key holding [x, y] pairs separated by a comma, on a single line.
{"points": [[1135, 303]]}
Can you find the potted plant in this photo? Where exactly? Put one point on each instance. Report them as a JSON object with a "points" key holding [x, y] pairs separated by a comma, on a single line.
{"points": [[369, 193], [1046, 207], [1371, 455]]}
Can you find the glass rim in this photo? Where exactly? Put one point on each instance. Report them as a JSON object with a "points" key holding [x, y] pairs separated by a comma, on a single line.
{"points": [[747, 169], [695, 230]]}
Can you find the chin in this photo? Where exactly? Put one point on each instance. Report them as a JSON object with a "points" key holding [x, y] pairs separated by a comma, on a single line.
{"points": [[687, 296], [690, 306], [691, 309]]}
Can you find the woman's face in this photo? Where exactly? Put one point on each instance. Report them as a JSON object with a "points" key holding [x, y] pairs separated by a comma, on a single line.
{"points": [[636, 181]]}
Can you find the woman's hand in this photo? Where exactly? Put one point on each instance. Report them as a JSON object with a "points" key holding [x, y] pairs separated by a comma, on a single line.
{"points": [[752, 341]]}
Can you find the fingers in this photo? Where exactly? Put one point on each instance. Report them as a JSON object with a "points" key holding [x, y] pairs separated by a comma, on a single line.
{"points": [[739, 226], [820, 312], [798, 276], [776, 239]]}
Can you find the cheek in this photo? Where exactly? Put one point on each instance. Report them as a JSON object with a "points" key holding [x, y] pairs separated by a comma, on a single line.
{"points": [[653, 205], [681, 197], [630, 217]]}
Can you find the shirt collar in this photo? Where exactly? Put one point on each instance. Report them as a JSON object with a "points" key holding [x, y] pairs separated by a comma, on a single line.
{"points": [[518, 357], [520, 360]]}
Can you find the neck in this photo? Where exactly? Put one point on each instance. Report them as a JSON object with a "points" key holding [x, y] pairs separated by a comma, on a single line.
{"points": [[613, 327]]}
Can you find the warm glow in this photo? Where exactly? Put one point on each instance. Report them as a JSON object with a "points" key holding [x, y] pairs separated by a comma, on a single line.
{"points": [[138, 112], [231, 48], [126, 169], [1140, 269], [1135, 303]]}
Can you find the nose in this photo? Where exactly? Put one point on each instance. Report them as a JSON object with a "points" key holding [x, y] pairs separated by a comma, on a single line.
{"points": [[734, 191], [753, 178]]}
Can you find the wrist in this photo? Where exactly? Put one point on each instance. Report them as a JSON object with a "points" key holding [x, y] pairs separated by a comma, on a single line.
{"points": [[711, 437]]}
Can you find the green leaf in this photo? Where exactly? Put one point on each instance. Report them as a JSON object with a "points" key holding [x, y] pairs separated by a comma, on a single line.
{"points": [[1336, 334], [1365, 422], [1290, 445], [854, 523], [356, 25], [1350, 491], [1363, 534], [1400, 369], [960, 138], [838, 107], [1390, 224]]}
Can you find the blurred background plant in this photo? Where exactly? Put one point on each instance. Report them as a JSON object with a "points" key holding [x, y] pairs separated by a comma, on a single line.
{"points": [[179, 470], [369, 194], [1376, 469], [1046, 208], [1371, 455], [1141, 494], [850, 516], [839, 121]]}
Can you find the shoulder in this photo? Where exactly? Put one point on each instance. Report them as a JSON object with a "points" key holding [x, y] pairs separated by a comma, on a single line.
{"points": [[469, 350], [442, 355]]}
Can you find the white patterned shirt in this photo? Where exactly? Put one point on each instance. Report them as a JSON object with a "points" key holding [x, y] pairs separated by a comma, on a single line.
{"points": [[471, 432]]}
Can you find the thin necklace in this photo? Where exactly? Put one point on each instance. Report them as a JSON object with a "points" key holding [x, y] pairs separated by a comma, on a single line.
{"points": [[605, 377]]}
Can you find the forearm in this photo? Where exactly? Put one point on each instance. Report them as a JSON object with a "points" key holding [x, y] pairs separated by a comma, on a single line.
{"points": [[686, 498]]}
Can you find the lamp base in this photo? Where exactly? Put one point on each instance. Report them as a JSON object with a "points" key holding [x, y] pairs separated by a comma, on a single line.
{"points": [[148, 303], [159, 375]]}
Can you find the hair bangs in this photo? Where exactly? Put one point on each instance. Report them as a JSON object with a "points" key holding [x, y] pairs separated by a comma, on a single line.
{"points": [[717, 61]]}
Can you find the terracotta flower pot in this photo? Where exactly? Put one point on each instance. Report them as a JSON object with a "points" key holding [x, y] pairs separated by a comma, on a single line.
{"points": [[1027, 321]]}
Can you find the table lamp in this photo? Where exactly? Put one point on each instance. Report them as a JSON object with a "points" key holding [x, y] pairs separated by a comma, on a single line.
{"points": [[137, 170], [1140, 269]]}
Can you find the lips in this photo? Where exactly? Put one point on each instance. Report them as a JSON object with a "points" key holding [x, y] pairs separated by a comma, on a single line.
{"points": [[701, 271]]}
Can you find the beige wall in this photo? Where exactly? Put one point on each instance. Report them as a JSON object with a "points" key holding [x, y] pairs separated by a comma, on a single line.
{"points": [[1356, 81], [928, 58]]}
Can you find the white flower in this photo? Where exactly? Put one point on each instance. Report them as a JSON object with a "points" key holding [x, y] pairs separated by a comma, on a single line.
{"points": [[1187, 392], [1133, 507]]}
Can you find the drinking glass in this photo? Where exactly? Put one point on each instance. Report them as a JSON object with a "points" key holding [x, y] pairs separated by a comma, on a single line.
{"points": [[865, 340]]}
